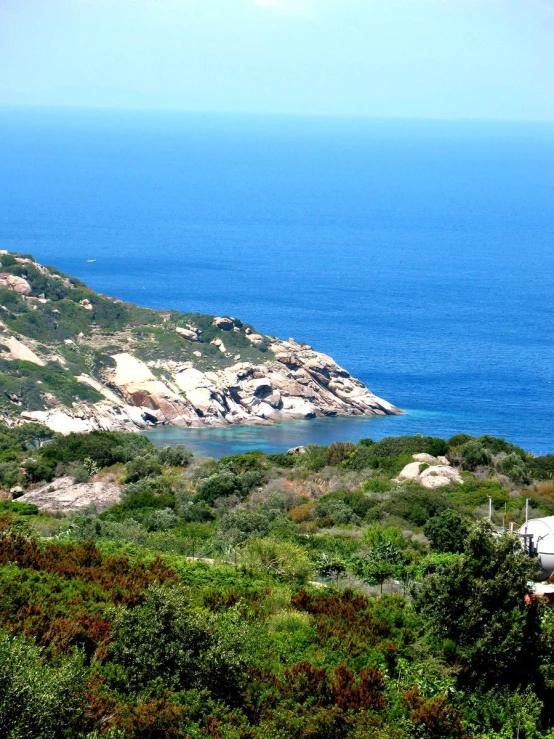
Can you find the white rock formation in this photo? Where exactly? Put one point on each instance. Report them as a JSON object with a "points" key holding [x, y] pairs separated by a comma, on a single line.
{"points": [[429, 471], [18, 350], [17, 284], [65, 496], [294, 381]]}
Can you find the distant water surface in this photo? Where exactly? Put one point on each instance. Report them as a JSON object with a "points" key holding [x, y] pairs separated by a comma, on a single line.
{"points": [[419, 255]]}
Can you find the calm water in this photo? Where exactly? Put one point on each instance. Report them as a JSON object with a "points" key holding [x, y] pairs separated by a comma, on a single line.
{"points": [[420, 255]]}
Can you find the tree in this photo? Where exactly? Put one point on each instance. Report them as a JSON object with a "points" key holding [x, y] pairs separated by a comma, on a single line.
{"points": [[381, 563], [447, 532], [476, 610]]}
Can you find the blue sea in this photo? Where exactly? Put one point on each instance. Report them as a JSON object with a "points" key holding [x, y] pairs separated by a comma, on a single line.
{"points": [[419, 254]]}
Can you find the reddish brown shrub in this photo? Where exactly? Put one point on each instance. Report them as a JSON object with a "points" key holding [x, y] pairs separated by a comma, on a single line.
{"points": [[363, 694], [156, 719], [346, 618], [85, 562], [434, 716]]}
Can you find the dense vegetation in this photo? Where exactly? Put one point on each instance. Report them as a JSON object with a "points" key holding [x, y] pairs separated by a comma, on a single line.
{"points": [[272, 596]]}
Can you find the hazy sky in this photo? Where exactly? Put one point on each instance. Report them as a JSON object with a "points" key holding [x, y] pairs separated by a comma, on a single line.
{"points": [[422, 58]]}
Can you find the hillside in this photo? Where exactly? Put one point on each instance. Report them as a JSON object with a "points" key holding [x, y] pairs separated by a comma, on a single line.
{"points": [[76, 360], [326, 594]]}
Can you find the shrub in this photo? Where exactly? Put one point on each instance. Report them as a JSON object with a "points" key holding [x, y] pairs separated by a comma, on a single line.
{"points": [[21, 509], [239, 526], [377, 485], [37, 700], [501, 446], [416, 505], [166, 642], [337, 452], [337, 510], [478, 601], [447, 532], [142, 467], [224, 483], [282, 460], [282, 559], [542, 468], [302, 513], [514, 467], [105, 448], [474, 455], [175, 456]]}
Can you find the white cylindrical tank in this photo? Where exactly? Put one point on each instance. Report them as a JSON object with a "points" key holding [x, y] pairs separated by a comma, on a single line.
{"points": [[537, 537]]}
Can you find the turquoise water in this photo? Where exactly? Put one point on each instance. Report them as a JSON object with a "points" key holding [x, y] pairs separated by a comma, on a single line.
{"points": [[420, 255]]}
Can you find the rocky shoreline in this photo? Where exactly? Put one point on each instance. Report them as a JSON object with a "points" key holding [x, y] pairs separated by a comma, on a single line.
{"points": [[299, 383], [141, 385]]}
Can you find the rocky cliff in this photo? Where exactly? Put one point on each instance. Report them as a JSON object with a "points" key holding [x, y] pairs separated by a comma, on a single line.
{"points": [[76, 361]]}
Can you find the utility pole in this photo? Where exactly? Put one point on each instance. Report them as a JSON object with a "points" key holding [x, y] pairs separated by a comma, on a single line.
{"points": [[490, 507]]}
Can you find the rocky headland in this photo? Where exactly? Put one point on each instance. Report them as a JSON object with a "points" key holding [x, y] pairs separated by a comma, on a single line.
{"points": [[76, 360]]}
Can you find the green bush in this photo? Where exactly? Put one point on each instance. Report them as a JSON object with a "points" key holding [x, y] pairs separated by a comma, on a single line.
{"points": [[147, 465], [165, 641], [416, 505], [474, 455], [514, 467], [542, 468], [337, 510], [38, 700], [103, 447], [239, 526], [282, 559], [175, 456], [447, 532], [21, 509], [225, 483]]}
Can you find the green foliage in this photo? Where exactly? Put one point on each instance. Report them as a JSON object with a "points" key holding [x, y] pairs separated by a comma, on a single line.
{"points": [[447, 532], [234, 650], [20, 509], [416, 504], [385, 555], [474, 492], [166, 642], [476, 608], [22, 438], [515, 468], [175, 456], [542, 468], [282, 559], [31, 382], [224, 483], [105, 448], [474, 454], [38, 700], [146, 465], [335, 509], [239, 526], [501, 446]]}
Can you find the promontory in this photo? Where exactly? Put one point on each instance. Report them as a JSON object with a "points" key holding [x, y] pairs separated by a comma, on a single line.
{"points": [[76, 360]]}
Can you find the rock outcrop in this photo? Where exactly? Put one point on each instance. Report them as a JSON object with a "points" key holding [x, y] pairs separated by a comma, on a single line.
{"points": [[297, 383], [431, 472], [65, 496], [216, 371]]}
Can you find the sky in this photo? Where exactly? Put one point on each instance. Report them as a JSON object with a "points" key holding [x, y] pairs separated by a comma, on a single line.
{"points": [[483, 59]]}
